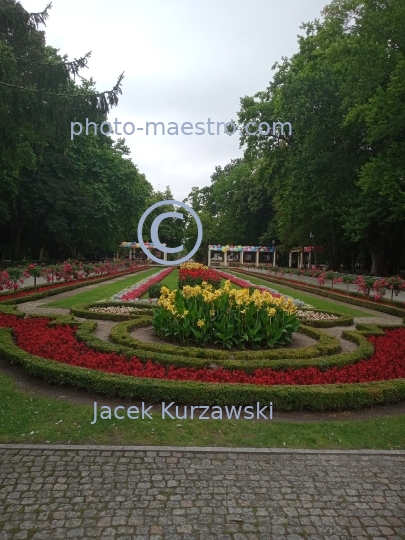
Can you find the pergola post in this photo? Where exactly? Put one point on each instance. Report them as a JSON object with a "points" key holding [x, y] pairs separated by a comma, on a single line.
{"points": [[290, 259], [225, 258], [209, 256], [274, 257], [257, 259], [165, 256], [309, 261]]}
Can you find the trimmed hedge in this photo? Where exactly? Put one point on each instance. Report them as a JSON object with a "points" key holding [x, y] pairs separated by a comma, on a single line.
{"points": [[72, 287], [327, 345], [316, 397], [179, 357], [391, 310], [82, 310]]}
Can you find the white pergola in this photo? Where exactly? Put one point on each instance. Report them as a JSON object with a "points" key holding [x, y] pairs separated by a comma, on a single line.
{"points": [[241, 250]]}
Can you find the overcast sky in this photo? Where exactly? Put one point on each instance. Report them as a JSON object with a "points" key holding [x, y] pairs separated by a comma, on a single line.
{"points": [[184, 61]]}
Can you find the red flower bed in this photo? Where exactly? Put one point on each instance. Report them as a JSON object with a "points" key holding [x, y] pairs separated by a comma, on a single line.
{"points": [[59, 343], [141, 290], [195, 276], [52, 286]]}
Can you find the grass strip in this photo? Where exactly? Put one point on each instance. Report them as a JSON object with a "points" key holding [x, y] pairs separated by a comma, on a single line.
{"points": [[101, 292], [318, 303], [29, 419]]}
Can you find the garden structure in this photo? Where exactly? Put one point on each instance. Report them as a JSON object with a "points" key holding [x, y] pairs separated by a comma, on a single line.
{"points": [[219, 255], [325, 362], [136, 253]]}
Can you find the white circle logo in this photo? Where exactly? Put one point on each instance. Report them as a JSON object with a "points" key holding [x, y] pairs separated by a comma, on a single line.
{"points": [[154, 233]]}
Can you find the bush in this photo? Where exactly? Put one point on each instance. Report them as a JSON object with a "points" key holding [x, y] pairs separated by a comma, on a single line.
{"points": [[154, 290]]}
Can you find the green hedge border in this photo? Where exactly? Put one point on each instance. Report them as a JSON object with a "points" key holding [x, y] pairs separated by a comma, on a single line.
{"points": [[170, 355], [316, 397], [391, 310], [76, 285], [327, 345], [82, 310]]}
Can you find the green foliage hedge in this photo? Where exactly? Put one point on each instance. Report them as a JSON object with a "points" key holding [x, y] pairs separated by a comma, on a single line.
{"points": [[327, 345], [317, 397]]}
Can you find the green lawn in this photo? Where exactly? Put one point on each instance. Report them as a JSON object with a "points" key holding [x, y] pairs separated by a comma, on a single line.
{"points": [[25, 419], [169, 281], [318, 303], [102, 291]]}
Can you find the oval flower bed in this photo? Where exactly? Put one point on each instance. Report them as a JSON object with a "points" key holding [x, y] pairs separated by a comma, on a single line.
{"points": [[59, 343]]}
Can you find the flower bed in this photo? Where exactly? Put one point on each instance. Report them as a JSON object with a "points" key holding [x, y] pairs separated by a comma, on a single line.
{"points": [[193, 274], [225, 316], [335, 294], [68, 271], [29, 294], [101, 372], [59, 343], [110, 311], [116, 310], [244, 283], [317, 315], [134, 293]]}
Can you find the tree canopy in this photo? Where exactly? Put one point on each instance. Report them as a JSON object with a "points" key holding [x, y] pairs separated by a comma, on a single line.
{"points": [[341, 173]]}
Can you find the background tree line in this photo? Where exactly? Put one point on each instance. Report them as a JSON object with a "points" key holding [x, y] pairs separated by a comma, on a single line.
{"points": [[341, 174], [58, 197]]}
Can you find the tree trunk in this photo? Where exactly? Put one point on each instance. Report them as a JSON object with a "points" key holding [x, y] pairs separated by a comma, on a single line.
{"points": [[378, 267], [16, 243]]}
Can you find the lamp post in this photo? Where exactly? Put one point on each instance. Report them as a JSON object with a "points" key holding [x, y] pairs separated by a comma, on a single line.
{"points": [[311, 234], [274, 252]]}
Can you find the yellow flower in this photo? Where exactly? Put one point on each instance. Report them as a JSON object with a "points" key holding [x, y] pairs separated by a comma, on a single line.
{"points": [[200, 323]]}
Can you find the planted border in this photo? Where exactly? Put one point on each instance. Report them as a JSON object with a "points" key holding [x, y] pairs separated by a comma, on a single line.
{"points": [[72, 287], [327, 345], [316, 397], [82, 310], [342, 320], [391, 310]]}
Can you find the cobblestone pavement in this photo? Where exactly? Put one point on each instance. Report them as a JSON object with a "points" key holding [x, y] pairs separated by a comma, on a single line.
{"points": [[134, 493]]}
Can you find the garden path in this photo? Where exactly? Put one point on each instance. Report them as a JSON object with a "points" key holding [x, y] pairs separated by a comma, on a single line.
{"points": [[139, 493]]}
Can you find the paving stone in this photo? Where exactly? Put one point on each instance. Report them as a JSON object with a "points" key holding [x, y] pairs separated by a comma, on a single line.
{"points": [[62, 494]]}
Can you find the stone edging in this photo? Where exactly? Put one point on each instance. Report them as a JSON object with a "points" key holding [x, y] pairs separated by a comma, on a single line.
{"points": [[196, 449]]}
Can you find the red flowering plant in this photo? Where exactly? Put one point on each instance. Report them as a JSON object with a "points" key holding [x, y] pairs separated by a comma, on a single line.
{"points": [[35, 271], [59, 343], [395, 284], [193, 274], [12, 278]]}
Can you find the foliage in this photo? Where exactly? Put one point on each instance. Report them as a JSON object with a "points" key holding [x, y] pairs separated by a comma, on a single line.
{"points": [[154, 291], [225, 316]]}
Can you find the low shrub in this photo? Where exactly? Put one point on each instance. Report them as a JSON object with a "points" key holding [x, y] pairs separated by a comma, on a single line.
{"points": [[154, 291]]}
